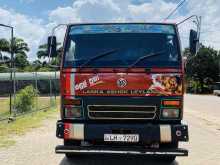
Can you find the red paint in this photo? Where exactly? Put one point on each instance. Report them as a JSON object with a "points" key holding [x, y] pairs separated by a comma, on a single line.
{"points": [[66, 129], [65, 82], [104, 82]]}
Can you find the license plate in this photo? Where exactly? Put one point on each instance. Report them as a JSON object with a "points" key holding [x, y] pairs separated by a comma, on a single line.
{"points": [[121, 138]]}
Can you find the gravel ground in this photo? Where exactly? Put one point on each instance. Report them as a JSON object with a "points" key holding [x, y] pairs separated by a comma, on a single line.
{"points": [[37, 146]]}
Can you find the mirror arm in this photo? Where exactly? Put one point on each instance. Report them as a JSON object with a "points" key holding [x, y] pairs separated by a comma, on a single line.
{"points": [[192, 16], [52, 34]]}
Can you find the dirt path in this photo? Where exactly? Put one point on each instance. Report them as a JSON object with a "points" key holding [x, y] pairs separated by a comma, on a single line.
{"points": [[37, 147], [34, 148]]}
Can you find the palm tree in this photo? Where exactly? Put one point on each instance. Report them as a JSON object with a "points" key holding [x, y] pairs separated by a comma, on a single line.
{"points": [[19, 46], [4, 47], [20, 49], [43, 53]]}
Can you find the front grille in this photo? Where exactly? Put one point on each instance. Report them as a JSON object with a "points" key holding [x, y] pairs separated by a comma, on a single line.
{"points": [[121, 112]]}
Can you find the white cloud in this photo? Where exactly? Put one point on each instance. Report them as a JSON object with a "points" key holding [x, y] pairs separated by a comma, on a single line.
{"points": [[210, 11], [111, 10], [31, 30], [150, 11], [97, 10], [63, 15]]}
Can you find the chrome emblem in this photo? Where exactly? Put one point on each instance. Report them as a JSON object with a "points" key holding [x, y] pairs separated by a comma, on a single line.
{"points": [[121, 82]]}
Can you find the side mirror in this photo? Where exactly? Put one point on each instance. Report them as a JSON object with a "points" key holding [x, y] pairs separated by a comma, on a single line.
{"points": [[52, 46], [193, 42]]}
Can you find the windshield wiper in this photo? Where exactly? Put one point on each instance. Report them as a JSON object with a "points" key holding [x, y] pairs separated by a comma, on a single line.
{"points": [[146, 56], [99, 56]]}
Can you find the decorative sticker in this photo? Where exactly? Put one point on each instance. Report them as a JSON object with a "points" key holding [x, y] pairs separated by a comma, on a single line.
{"points": [[130, 84]]}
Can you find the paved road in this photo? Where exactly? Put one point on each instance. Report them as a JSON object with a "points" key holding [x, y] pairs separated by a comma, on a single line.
{"points": [[201, 112]]}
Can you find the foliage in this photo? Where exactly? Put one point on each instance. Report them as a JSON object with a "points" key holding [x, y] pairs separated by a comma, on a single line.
{"points": [[21, 61], [43, 54], [25, 99], [20, 49], [4, 45], [203, 68], [19, 46], [42, 51], [4, 68]]}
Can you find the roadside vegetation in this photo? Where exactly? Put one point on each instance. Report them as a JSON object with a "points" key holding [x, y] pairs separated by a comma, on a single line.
{"points": [[202, 70], [8, 131], [27, 116], [4, 112], [25, 99]]}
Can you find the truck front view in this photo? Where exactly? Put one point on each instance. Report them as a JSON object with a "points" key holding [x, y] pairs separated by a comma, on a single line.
{"points": [[122, 90]]}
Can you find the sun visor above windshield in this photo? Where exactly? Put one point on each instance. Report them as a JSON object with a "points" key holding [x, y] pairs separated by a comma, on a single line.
{"points": [[121, 28]]}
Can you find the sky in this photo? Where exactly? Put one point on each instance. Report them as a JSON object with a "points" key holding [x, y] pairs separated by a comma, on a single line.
{"points": [[34, 19]]}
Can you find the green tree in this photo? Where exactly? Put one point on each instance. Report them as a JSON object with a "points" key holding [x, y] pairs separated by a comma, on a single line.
{"points": [[4, 60], [20, 49], [43, 54], [21, 61], [4, 45], [203, 67], [42, 51]]}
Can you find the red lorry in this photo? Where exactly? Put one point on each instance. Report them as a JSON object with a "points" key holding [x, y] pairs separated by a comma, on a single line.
{"points": [[122, 90]]}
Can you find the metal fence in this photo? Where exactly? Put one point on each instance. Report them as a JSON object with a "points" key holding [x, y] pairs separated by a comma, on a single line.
{"points": [[45, 83]]}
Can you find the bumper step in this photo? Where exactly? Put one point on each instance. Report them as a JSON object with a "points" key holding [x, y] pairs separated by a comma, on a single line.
{"points": [[119, 150]]}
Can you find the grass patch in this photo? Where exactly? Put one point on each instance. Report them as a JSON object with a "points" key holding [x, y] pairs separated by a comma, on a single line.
{"points": [[22, 125], [4, 109]]}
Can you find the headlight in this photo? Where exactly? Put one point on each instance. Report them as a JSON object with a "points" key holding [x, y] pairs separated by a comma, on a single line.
{"points": [[72, 112], [170, 113]]}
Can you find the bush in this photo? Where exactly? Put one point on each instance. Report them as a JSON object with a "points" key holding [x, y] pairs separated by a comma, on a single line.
{"points": [[25, 99]]}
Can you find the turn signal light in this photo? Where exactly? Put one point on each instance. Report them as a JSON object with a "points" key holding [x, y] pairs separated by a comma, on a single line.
{"points": [[174, 103], [67, 101]]}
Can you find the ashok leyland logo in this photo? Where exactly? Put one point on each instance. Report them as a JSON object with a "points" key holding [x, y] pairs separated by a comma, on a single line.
{"points": [[121, 82]]}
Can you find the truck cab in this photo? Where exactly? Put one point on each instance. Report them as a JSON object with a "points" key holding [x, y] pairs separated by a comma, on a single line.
{"points": [[122, 90]]}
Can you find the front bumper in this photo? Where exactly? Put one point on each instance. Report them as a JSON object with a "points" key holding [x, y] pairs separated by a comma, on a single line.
{"points": [[148, 134], [120, 150]]}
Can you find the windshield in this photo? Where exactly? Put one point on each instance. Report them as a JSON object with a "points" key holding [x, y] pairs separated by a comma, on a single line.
{"points": [[121, 49]]}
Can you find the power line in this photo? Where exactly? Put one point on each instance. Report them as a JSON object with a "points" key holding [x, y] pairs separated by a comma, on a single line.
{"points": [[173, 11]]}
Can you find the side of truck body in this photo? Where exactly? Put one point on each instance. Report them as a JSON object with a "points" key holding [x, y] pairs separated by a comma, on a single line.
{"points": [[122, 90]]}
